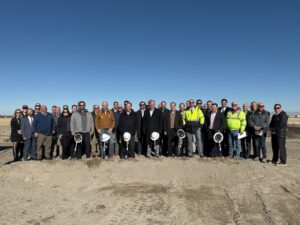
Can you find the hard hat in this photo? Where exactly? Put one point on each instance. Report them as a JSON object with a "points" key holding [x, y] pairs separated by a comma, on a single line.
{"points": [[154, 136], [181, 133], [218, 137], [78, 138], [126, 136], [105, 137]]}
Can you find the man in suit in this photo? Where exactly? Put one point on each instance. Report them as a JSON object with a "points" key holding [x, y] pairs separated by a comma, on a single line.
{"points": [[224, 109], [153, 123], [164, 112], [95, 135], [173, 122], [215, 122], [28, 135], [140, 129]]}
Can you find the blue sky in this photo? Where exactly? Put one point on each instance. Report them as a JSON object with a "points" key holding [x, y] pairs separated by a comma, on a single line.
{"points": [[58, 52]]}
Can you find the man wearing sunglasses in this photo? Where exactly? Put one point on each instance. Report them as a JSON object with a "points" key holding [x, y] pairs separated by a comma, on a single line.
{"points": [[278, 127], [259, 122]]}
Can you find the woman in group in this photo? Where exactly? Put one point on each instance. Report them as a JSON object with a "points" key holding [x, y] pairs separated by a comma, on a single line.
{"points": [[64, 133], [15, 135]]}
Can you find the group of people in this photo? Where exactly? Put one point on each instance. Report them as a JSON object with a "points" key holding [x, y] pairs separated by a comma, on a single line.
{"points": [[153, 131]]}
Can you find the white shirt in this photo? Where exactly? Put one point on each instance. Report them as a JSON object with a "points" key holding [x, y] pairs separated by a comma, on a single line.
{"points": [[212, 119], [151, 112], [142, 111], [30, 118]]}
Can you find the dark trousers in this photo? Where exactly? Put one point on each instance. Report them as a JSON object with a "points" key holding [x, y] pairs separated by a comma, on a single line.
{"points": [[213, 147], [246, 145], [141, 146], [278, 147], [131, 152], [225, 143], [205, 139], [255, 153], [54, 146], [29, 148], [164, 140], [84, 146], [173, 143], [66, 142], [260, 143], [18, 151]]}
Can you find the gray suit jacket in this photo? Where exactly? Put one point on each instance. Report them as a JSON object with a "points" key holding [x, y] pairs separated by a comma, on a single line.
{"points": [[26, 128]]}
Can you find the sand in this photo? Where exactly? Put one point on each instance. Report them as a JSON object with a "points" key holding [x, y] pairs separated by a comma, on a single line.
{"points": [[150, 191]]}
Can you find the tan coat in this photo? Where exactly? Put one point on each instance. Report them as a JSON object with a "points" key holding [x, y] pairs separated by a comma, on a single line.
{"points": [[104, 120]]}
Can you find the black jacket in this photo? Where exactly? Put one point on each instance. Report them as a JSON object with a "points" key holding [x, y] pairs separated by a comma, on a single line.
{"points": [[153, 123], [15, 125], [219, 121], [128, 123], [226, 110], [177, 123], [278, 123], [63, 125], [141, 123]]}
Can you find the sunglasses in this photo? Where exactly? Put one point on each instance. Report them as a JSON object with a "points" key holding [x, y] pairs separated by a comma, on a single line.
{"points": [[277, 108], [261, 106], [192, 102], [199, 103], [81, 105]]}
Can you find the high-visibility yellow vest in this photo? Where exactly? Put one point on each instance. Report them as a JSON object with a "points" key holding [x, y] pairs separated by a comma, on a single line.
{"points": [[196, 115], [236, 120]]}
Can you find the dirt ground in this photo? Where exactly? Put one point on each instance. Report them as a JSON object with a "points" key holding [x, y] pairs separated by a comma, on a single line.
{"points": [[151, 191]]}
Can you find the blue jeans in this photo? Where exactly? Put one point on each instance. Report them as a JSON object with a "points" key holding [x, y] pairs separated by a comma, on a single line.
{"points": [[234, 143], [110, 145]]}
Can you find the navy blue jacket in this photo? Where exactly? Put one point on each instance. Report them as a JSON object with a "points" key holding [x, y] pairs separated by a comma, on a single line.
{"points": [[43, 124]]}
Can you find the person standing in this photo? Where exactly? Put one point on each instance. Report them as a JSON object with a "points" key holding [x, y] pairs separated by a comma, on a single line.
{"points": [[28, 135], [140, 131], [236, 123], [43, 128], [173, 122], [95, 135], [105, 123], [63, 129], [278, 127], [193, 121], [116, 134], [15, 135], [253, 108], [164, 139], [224, 109], [246, 141], [259, 122], [56, 112], [215, 122], [128, 122], [82, 123], [153, 123]]}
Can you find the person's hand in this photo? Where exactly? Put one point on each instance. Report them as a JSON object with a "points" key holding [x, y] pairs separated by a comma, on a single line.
{"points": [[110, 130], [53, 132], [165, 132], [24, 139], [99, 131], [19, 131], [36, 135], [73, 133]]}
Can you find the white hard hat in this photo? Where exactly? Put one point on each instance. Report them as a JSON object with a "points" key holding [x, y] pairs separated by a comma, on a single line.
{"points": [[218, 137], [154, 136], [105, 137], [126, 136]]}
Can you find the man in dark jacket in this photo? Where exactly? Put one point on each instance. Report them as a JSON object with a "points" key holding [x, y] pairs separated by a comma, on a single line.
{"points": [[140, 131], [173, 122], [128, 122], [95, 135], [43, 128], [116, 133], [259, 122], [28, 135], [224, 109], [246, 141], [215, 122], [153, 123], [63, 129], [164, 137], [278, 127]]}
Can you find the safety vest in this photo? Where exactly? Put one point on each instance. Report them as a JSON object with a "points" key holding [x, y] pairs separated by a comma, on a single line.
{"points": [[236, 120], [195, 116]]}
